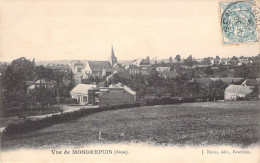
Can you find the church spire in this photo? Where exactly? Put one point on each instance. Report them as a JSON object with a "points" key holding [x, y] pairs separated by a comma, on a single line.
{"points": [[112, 54], [113, 59]]}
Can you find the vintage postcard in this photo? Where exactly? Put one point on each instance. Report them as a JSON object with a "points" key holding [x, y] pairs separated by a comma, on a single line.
{"points": [[130, 81]]}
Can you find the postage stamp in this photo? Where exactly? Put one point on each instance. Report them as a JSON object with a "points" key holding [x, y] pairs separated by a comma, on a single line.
{"points": [[239, 22]]}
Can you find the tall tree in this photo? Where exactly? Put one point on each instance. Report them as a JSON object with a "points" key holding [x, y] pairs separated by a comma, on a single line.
{"points": [[170, 59], [178, 58], [188, 61]]}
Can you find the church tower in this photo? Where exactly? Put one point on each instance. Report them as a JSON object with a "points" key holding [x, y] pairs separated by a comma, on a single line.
{"points": [[113, 58]]}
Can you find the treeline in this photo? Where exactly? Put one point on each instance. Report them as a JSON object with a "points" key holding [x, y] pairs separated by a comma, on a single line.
{"points": [[16, 76], [180, 86]]}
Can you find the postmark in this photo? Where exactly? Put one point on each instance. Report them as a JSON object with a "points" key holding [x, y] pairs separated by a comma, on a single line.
{"points": [[239, 22]]}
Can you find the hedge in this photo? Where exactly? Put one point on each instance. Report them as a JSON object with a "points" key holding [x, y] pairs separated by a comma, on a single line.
{"points": [[29, 125]]}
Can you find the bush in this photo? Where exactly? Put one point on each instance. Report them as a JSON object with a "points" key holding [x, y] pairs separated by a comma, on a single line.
{"points": [[70, 101], [241, 98], [29, 125], [167, 100]]}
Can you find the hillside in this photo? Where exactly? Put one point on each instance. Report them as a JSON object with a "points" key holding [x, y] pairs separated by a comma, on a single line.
{"points": [[225, 123]]}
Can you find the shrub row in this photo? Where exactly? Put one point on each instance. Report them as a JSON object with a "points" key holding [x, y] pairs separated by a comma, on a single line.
{"points": [[167, 101], [29, 125]]}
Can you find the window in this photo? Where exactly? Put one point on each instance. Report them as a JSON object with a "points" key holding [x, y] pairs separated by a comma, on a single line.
{"points": [[79, 70], [85, 98]]}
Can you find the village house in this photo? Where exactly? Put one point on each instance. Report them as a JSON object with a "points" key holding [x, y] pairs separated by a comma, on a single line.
{"points": [[77, 67], [95, 68], [58, 67], [244, 61], [239, 92], [81, 93], [43, 83], [161, 69], [100, 68], [113, 95], [166, 72], [117, 95], [224, 61], [214, 61], [144, 65], [133, 69]]}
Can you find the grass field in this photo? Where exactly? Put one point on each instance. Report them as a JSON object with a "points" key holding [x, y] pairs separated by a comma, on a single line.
{"points": [[222, 123]]}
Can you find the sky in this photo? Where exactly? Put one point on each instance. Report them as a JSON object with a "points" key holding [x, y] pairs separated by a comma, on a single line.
{"points": [[69, 30]]}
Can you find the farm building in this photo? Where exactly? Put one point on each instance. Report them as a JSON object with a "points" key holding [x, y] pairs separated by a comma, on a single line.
{"points": [[81, 92], [117, 95], [236, 92]]}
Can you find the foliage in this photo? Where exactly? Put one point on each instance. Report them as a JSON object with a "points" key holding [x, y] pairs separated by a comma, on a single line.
{"points": [[217, 89], [178, 58], [14, 89], [209, 71], [188, 61], [247, 72]]}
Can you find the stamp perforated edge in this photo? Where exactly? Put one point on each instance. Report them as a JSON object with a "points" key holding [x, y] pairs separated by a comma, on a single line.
{"points": [[220, 26]]}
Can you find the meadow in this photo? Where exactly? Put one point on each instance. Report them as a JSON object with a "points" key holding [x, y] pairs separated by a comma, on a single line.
{"points": [[201, 123]]}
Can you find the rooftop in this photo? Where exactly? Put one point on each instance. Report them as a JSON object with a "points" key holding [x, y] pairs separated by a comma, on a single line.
{"points": [[99, 65], [239, 89], [83, 88]]}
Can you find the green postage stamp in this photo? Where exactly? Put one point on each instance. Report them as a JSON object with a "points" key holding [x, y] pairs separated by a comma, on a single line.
{"points": [[240, 22]]}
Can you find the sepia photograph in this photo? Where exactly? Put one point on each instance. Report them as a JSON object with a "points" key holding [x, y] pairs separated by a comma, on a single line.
{"points": [[130, 81]]}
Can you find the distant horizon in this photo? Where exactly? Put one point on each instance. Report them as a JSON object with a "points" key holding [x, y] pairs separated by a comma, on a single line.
{"points": [[152, 58]]}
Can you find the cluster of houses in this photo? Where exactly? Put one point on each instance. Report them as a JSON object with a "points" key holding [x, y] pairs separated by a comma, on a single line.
{"points": [[119, 94], [97, 94], [249, 89], [227, 61], [41, 83], [113, 95], [107, 69]]}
